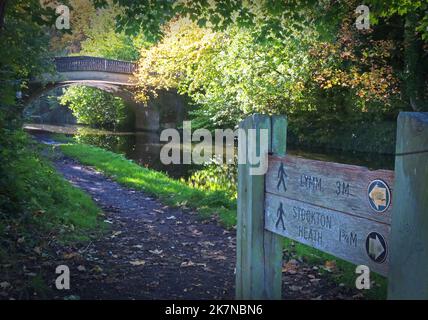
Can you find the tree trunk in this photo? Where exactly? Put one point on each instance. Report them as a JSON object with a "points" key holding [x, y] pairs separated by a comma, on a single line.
{"points": [[2, 12], [415, 67]]}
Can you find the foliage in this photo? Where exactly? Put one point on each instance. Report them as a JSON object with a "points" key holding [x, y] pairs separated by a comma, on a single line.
{"points": [[389, 8], [38, 210], [271, 22], [24, 48], [170, 191], [214, 177], [23, 53], [269, 16], [95, 107], [92, 32], [103, 41], [231, 74], [35, 201]]}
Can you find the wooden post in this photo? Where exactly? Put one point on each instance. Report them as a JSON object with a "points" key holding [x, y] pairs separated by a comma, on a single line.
{"points": [[259, 252], [408, 270]]}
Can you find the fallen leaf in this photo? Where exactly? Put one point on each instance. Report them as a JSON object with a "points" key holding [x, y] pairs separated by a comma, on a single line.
{"points": [[358, 296], [115, 234], [191, 264], [220, 257], [4, 284], [196, 232], [31, 274], [295, 288], [156, 251], [207, 244], [81, 268], [71, 255], [289, 267], [39, 212], [97, 269], [330, 265], [138, 262]]}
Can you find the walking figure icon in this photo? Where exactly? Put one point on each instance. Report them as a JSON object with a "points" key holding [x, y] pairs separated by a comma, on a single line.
{"points": [[280, 214], [281, 177]]}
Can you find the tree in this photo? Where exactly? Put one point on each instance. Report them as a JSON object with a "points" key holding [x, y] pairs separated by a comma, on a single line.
{"points": [[272, 19], [95, 107], [2, 12], [69, 41], [230, 74], [102, 40]]}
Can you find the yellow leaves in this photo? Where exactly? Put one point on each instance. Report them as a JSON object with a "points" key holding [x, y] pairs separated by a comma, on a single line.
{"points": [[164, 65]]}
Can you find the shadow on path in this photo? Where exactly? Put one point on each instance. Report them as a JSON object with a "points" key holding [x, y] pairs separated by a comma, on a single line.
{"points": [[157, 252]]}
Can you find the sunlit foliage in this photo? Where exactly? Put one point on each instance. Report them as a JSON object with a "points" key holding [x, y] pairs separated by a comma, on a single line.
{"points": [[95, 107], [230, 74]]}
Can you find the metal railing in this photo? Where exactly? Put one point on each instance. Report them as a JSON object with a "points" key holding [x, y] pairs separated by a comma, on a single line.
{"points": [[83, 63]]}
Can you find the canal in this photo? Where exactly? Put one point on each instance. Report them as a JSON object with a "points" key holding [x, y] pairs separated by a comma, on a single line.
{"points": [[144, 148]]}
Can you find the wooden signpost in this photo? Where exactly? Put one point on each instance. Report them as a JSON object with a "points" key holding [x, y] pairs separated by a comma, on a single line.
{"points": [[340, 209], [344, 210]]}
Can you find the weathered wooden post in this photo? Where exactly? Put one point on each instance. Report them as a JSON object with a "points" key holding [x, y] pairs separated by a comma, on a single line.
{"points": [[408, 271], [259, 252]]}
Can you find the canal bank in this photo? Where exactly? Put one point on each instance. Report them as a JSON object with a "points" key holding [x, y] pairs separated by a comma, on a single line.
{"points": [[212, 207]]}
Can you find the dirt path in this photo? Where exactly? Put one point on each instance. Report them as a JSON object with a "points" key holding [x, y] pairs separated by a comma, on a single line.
{"points": [[152, 251], [156, 252]]}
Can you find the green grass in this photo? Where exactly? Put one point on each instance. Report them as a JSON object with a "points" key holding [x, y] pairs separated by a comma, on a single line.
{"points": [[38, 208], [207, 203], [169, 191], [38, 201]]}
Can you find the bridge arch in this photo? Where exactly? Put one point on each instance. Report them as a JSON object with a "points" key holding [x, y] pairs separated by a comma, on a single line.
{"points": [[114, 76]]}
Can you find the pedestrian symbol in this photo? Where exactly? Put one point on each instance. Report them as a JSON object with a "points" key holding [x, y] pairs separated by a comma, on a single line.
{"points": [[376, 247], [281, 177], [280, 215], [379, 195]]}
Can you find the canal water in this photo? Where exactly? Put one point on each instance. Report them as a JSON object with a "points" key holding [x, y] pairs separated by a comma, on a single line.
{"points": [[144, 148]]}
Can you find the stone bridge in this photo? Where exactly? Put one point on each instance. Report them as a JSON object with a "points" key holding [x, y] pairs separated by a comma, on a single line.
{"points": [[116, 77]]}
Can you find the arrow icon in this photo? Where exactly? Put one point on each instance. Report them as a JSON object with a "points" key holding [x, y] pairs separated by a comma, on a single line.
{"points": [[376, 248], [378, 196]]}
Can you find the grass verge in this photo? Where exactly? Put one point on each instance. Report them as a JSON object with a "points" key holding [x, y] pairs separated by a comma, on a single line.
{"points": [[170, 191], [38, 208], [176, 193]]}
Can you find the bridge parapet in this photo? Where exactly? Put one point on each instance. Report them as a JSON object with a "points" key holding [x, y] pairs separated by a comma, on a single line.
{"points": [[83, 63]]}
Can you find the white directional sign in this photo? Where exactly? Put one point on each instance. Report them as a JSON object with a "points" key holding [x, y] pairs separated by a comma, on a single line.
{"points": [[379, 195], [340, 209], [376, 247]]}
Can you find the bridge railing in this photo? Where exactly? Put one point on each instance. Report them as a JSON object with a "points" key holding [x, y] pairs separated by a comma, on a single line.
{"points": [[67, 64]]}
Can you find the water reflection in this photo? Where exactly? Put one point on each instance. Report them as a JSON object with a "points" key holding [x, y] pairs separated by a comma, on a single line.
{"points": [[142, 147]]}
